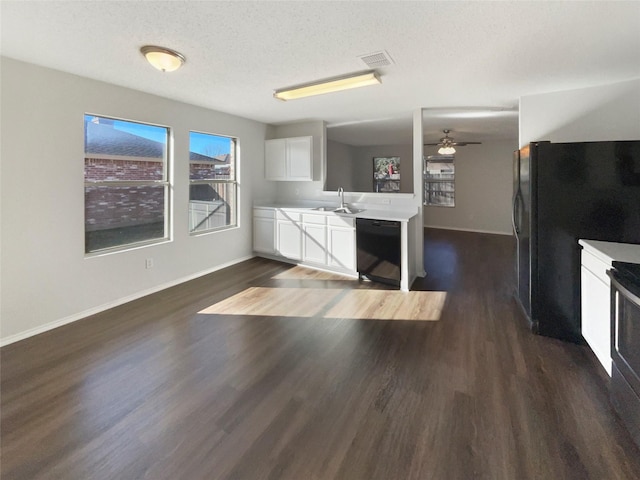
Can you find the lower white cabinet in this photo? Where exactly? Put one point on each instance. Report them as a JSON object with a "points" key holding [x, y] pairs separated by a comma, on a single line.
{"points": [[341, 242], [314, 243], [596, 307], [322, 240], [289, 239], [314, 238], [264, 231]]}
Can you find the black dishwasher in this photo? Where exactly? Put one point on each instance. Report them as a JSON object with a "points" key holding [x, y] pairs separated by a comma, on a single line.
{"points": [[378, 244]]}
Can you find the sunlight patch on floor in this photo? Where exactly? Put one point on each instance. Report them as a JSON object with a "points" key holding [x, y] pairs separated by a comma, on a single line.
{"points": [[332, 303], [276, 302], [389, 305]]}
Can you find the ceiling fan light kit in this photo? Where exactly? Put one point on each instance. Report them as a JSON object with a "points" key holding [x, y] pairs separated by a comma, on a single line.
{"points": [[446, 150], [329, 85], [447, 143]]}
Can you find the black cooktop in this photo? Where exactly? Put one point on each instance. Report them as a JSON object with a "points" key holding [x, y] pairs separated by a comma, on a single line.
{"points": [[628, 272]]}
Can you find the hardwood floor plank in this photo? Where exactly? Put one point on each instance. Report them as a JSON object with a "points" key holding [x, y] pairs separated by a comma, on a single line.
{"points": [[269, 371]]}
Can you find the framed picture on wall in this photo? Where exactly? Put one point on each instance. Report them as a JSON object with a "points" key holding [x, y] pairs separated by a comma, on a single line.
{"points": [[386, 174]]}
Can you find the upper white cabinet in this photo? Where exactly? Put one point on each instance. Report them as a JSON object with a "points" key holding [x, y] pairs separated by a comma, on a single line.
{"points": [[289, 159]]}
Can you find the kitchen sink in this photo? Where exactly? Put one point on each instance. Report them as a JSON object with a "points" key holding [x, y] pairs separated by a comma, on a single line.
{"points": [[326, 209], [347, 210]]}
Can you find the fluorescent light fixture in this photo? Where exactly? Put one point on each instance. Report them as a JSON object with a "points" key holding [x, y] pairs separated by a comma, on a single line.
{"points": [[335, 84], [446, 150], [164, 59]]}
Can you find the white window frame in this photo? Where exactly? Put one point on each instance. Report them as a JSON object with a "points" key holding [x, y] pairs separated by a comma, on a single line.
{"points": [[165, 182], [217, 181], [436, 181]]}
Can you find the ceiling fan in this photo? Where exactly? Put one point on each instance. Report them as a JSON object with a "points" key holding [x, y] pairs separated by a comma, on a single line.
{"points": [[447, 143]]}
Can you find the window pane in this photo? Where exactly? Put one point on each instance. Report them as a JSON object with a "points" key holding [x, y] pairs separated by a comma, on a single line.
{"points": [[211, 206], [439, 181], [117, 150], [439, 193], [116, 216], [211, 157]]}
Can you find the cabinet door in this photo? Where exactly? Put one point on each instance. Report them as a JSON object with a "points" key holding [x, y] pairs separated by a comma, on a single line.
{"points": [[596, 326], [342, 248], [275, 167], [289, 240], [299, 156], [264, 235], [314, 243]]}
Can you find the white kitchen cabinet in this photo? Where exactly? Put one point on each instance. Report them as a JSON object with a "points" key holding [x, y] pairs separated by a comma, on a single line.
{"points": [[596, 304], [314, 243], [289, 159], [288, 234], [341, 234], [314, 238], [264, 230]]}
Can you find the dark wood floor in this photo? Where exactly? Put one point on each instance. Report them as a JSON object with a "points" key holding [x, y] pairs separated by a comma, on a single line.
{"points": [[154, 389]]}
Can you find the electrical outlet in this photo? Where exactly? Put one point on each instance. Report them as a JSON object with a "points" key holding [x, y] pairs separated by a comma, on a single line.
{"points": [[385, 201], [148, 263]]}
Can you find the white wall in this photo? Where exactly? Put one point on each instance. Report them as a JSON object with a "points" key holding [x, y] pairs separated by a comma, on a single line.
{"points": [[352, 166], [46, 279], [484, 188], [340, 170], [602, 113]]}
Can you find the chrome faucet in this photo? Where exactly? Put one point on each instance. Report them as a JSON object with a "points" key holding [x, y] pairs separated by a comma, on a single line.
{"points": [[341, 195]]}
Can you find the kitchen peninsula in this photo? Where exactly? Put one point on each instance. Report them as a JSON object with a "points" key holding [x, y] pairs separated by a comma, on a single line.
{"points": [[314, 236]]}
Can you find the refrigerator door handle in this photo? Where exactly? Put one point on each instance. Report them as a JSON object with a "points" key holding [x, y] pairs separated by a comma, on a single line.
{"points": [[516, 229]]}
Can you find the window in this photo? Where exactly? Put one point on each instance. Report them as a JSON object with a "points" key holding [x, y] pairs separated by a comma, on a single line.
{"points": [[439, 180], [126, 191], [213, 187]]}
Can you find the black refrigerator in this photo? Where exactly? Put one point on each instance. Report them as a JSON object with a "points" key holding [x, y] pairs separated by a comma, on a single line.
{"points": [[564, 192]]}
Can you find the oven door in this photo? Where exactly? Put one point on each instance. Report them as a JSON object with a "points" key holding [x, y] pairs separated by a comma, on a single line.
{"points": [[625, 353]]}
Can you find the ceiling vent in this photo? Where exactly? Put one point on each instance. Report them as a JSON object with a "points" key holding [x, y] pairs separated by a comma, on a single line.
{"points": [[376, 59]]}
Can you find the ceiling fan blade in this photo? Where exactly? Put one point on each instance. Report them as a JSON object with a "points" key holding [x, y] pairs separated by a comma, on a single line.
{"points": [[462, 144], [432, 144]]}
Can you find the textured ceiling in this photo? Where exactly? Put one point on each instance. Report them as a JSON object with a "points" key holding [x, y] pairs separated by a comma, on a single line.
{"points": [[447, 55]]}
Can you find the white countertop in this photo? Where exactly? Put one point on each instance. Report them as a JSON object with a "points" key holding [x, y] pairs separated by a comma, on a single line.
{"points": [[611, 251], [402, 215]]}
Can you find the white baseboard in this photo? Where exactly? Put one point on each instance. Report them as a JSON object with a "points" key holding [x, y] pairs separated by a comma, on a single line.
{"points": [[492, 232], [106, 306]]}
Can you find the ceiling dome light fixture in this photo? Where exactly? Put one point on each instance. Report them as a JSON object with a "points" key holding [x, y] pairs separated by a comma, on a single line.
{"points": [[164, 59]]}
